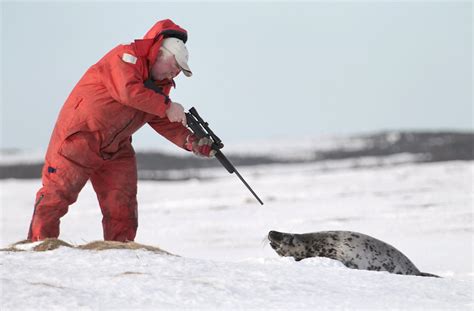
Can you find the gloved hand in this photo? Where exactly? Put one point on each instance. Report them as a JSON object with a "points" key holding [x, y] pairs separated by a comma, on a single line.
{"points": [[201, 147], [175, 113]]}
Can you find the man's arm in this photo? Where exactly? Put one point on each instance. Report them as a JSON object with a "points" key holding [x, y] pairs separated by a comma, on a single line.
{"points": [[121, 73], [173, 131]]}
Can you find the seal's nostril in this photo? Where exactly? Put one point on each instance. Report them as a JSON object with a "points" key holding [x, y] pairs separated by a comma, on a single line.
{"points": [[275, 235]]}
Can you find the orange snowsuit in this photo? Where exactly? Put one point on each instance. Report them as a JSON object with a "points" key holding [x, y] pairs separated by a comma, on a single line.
{"points": [[92, 137]]}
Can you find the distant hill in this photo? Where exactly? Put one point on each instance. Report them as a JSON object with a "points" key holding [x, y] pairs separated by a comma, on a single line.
{"points": [[432, 146], [423, 146]]}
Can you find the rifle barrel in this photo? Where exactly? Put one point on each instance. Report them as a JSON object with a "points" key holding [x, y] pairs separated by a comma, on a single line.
{"points": [[201, 129], [248, 187]]}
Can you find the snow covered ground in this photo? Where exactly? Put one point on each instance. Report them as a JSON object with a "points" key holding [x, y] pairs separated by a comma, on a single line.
{"points": [[219, 230]]}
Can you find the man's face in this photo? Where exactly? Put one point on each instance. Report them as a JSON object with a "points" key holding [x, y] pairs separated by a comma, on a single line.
{"points": [[165, 67]]}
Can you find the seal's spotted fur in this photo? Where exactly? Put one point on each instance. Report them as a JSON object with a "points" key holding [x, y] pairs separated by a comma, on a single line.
{"points": [[354, 250]]}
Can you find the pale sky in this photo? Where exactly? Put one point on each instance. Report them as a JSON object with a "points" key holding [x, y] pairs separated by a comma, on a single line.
{"points": [[262, 70]]}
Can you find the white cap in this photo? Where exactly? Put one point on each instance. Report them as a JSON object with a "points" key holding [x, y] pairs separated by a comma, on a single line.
{"points": [[176, 47]]}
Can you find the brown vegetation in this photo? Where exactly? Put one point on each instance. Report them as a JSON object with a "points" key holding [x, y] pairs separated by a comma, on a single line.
{"points": [[51, 244]]}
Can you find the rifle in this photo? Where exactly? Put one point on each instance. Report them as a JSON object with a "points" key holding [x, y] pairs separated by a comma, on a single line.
{"points": [[201, 129]]}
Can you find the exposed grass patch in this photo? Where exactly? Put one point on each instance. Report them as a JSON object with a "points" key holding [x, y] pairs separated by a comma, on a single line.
{"points": [[51, 244]]}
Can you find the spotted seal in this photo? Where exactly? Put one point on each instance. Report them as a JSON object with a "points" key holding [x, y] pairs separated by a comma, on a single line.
{"points": [[354, 250]]}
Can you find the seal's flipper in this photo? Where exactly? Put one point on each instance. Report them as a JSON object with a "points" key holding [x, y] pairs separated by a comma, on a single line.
{"points": [[429, 275]]}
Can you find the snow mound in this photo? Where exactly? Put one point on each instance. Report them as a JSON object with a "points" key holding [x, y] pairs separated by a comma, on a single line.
{"points": [[70, 278], [52, 244]]}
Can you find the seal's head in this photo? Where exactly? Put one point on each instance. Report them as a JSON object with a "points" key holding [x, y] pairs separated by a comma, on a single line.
{"points": [[288, 245]]}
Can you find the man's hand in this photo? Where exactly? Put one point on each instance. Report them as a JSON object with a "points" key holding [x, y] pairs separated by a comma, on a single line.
{"points": [[201, 147], [175, 113]]}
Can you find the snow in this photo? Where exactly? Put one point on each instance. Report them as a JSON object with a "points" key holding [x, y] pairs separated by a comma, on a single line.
{"points": [[126, 280], [219, 231]]}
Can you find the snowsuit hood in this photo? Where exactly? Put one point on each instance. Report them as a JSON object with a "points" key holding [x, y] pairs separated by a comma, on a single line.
{"points": [[150, 45]]}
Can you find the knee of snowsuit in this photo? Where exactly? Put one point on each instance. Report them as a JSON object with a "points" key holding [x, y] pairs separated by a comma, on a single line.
{"points": [[115, 182]]}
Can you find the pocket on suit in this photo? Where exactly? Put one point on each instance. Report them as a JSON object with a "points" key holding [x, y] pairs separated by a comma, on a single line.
{"points": [[82, 148]]}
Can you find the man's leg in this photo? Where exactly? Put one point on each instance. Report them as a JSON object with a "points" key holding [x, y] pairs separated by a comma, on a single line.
{"points": [[62, 182], [116, 186]]}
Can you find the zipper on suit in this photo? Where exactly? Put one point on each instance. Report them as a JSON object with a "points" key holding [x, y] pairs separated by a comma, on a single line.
{"points": [[39, 201], [119, 132]]}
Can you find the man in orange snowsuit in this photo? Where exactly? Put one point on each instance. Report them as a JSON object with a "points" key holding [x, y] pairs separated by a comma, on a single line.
{"points": [[126, 89]]}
